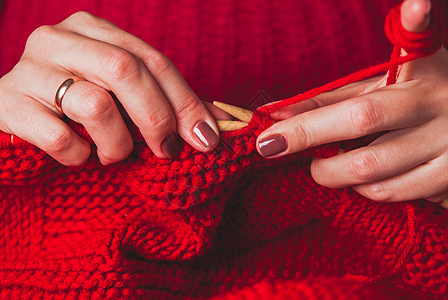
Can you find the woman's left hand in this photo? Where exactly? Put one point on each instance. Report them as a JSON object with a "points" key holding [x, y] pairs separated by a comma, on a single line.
{"points": [[408, 162]]}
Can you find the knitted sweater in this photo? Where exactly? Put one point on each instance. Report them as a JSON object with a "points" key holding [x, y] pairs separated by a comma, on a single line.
{"points": [[227, 224]]}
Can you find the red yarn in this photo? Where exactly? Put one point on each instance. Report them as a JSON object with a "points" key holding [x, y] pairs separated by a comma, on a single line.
{"points": [[416, 45], [225, 224], [401, 261]]}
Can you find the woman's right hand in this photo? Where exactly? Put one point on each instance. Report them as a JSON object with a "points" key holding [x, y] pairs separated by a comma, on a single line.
{"points": [[147, 85]]}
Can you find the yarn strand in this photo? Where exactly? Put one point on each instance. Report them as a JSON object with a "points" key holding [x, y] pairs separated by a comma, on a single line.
{"points": [[415, 44]]}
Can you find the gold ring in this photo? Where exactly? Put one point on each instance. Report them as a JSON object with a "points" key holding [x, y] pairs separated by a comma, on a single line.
{"points": [[12, 139], [62, 90]]}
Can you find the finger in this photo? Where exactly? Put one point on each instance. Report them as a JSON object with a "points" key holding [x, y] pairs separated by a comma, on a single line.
{"points": [[415, 15], [93, 107], [194, 122], [31, 121], [217, 113], [117, 70], [83, 102], [385, 109], [426, 181], [390, 155], [324, 99]]}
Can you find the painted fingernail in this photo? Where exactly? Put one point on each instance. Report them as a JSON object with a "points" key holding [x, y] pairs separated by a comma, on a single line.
{"points": [[205, 134], [172, 145], [272, 145]]}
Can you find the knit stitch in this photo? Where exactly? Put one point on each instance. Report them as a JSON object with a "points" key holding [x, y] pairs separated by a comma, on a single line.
{"points": [[226, 225]]}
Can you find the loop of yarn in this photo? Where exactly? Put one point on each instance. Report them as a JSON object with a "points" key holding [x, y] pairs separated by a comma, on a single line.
{"points": [[195, 226], [416, 45], [420, 44]]}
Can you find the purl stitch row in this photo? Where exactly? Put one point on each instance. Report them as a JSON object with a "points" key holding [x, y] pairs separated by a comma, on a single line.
{"points": [[164, 237]]}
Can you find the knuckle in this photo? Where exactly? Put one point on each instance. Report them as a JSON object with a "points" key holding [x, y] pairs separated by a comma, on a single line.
{"points": [[116, 155], [433, 199], [97, 105], [303, 135], [158, 63], [122, 65], [161, 122], [79, 161], [42, 33], [440, 97], [75, 160], [365, 166], [317, 172], [376, 192], [58, 139], [82, 17], [364, 117], [190, 106]]}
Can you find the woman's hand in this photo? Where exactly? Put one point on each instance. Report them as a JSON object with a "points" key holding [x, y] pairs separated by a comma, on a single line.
{"points": [[410, 161], [147, 85]]}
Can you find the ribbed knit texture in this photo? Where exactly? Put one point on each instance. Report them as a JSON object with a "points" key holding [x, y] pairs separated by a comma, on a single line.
{"points": [[233, 50], [228, 224]]}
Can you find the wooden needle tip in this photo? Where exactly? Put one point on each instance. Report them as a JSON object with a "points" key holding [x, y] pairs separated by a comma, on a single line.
{"points": [[224, 125], [241, 114]]}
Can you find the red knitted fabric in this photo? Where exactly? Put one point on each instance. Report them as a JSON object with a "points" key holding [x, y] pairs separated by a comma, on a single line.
{"points": [[225, 224]]}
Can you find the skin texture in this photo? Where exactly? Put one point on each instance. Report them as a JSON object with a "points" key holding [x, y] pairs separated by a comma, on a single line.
{"points": [[126, 78], [410, 160], [151, 92]]}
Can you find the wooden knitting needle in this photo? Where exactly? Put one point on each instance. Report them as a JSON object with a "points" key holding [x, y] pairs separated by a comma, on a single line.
{"points": [[243, 115], [225, 125]]}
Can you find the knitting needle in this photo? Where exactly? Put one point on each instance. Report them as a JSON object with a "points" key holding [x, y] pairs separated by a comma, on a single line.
{"points": [[243, 115], [225, 125]]}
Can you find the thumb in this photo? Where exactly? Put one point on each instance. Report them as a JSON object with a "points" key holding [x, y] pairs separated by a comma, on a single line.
{"points": [[415, 15]]}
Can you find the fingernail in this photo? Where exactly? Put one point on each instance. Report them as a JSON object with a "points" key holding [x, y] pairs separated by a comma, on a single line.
{"points": [[272, 145], [172, 145], [205, 134]]}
